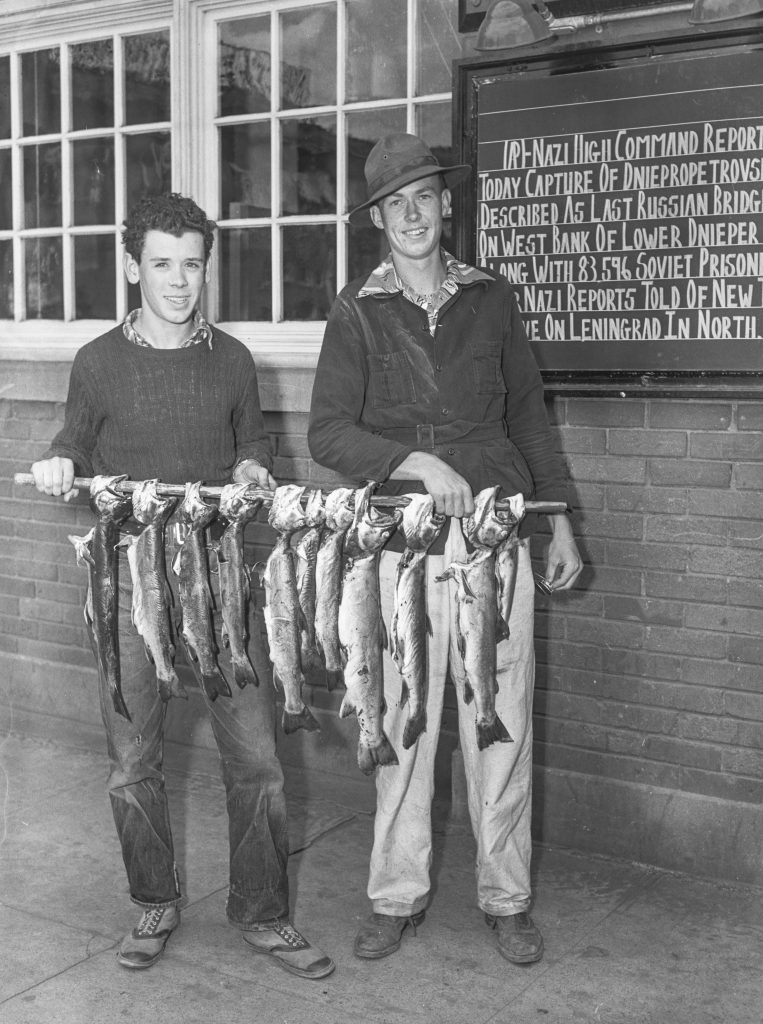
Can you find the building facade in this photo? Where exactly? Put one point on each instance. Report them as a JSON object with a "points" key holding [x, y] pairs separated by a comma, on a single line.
{"points": [[649, 703]]}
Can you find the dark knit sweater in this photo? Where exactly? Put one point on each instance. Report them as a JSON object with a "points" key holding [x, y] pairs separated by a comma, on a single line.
{"points": [[178, 415]]}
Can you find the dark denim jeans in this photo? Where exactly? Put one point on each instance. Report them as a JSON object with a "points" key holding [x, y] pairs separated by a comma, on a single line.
{"points": [[244, 729]]}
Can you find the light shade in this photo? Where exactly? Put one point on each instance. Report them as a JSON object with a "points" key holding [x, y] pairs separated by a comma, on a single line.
{"points": [[723, 10], [511, 23]]}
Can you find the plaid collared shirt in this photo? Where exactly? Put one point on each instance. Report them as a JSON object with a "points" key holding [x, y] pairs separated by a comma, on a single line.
{"points": [[201, 331], [385, 278]]}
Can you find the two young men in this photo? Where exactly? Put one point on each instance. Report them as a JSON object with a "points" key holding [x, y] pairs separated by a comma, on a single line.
{"points": [[167, 395]]}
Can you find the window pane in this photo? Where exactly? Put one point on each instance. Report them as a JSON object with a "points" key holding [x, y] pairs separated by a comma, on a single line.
{"points": [[308, 166], [309, 271], [41, 92], [147, 74], [95, 278], [308, 57], [44, 279], [245, 274], [245, 66], [5, 97], [245, 171], [364, 128], [93, 175], [42, 186], [6, 205], [93, 84], [149, 165], [439, 45], [366, 248], [376, 49], [6, 279]]}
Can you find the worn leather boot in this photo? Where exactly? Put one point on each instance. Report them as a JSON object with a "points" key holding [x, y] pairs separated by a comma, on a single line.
{"points": [[519, 938], [382, 934], [290, 950], [143, 946]]}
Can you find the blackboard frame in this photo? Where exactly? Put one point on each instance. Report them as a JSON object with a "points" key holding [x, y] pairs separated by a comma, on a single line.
{"points": [[707, 367]]}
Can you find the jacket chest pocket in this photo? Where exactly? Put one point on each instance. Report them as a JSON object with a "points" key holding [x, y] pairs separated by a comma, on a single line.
{"points": [[390, 380], [486, 367]]}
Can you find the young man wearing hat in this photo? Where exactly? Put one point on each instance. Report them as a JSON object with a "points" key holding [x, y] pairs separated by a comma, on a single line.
{"points": [[426, 381]]}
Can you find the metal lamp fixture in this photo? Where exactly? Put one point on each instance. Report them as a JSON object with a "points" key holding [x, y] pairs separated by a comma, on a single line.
{"points": [[514, 23]]}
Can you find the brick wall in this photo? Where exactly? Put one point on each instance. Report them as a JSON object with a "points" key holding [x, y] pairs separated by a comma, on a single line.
{"points": [[649, 703]]}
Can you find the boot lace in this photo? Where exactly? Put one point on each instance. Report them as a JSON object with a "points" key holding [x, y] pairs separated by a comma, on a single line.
{"points": [[150, 921]]}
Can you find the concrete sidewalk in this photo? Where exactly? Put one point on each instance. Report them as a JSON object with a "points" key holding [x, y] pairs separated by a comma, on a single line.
{"points": [[625, 943]]}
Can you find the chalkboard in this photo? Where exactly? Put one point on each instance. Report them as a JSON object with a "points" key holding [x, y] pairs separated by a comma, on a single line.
{"points": [[621, 193]]}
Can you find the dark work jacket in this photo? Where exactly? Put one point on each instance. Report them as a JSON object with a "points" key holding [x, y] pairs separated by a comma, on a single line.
{"points": [[472, 395]]}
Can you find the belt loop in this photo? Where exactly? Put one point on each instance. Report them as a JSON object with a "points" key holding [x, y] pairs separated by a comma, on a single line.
{"points": [[425, 435]]}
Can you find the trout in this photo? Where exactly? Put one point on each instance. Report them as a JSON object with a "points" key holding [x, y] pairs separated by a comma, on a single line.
{"points": [[196, 601], [283, 615], [476, 614], [506, 566], [307, 556], [238, 506], [111, 508], [362, 635], [410, 624], [151, 594], [328, 581]]}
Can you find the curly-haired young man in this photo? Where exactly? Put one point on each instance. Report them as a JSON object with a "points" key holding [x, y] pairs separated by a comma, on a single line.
{"points": [[166, 395]]}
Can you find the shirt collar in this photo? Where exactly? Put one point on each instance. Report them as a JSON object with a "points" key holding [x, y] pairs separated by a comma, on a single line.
{"points": [[201, 331], [385, 280]]}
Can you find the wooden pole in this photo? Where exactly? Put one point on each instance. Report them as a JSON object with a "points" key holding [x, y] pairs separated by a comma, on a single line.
{"points": [[213, 493]]}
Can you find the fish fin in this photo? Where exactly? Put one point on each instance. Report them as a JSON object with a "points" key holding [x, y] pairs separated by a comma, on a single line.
{"points": [[428, 624], [176, 687], [334, 678], [468, 692], [414, 727], [384, 634], [468, 592], [303, 719], [347, 707], [215, 685], [495, 732], [405, 693], [501, 628], [370, 757], [119, 703], [444, 577], [243, 672], [176, 564]]}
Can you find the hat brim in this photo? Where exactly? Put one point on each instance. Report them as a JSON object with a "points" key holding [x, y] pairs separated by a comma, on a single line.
{"points": [[452, 175]]}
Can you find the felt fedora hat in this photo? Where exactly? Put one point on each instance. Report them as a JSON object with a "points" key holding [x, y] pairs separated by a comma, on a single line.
{"points": [[397, 160]]}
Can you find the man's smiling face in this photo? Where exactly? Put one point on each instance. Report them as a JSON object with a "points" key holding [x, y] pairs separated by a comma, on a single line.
{"points": [[412, 217]]}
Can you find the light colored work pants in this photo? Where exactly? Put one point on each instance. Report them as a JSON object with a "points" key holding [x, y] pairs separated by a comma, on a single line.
{"points": [[499, 778]]}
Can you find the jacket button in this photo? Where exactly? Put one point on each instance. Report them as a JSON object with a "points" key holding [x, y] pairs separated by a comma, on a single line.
{"points": [[451, 451], [445, 412], [438, 368]]}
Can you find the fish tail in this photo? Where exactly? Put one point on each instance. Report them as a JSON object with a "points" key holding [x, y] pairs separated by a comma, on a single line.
{"points": [[492, 732], [215, 685], [119, 702], [293, 720], [334, 678], [404, 693], [243, 672], [414, 727], [369, 757]]}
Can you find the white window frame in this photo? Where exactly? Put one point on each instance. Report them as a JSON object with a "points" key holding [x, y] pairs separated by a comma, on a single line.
{"points": [[198, 22], [29, 25]]}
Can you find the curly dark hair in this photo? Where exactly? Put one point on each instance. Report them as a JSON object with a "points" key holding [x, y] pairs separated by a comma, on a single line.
{"points": [[172, 213]]}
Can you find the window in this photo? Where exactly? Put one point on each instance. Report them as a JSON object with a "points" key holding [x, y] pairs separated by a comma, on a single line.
{"points": [[84, 132], [302, 93]]}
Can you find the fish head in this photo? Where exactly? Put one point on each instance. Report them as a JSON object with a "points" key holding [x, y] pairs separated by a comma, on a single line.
{"points": [[286, 512], [108, 503], [371, 528], [315, 513], [148, 506], [420, 523], [487, 526], [194, 512], [240, 502], [338, 509]]}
